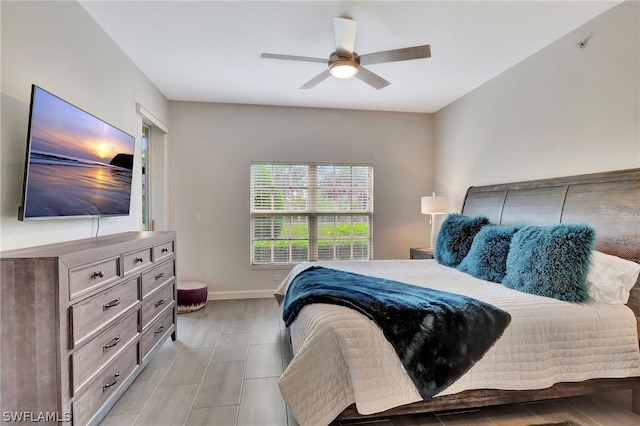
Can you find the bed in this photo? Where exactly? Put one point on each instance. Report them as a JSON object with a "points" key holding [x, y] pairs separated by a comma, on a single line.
{"points": [[344, 368]]}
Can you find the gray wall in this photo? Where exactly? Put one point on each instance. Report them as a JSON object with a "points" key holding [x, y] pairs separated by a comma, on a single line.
{"points": [[562, 111], [212, 146], [59, 47]]}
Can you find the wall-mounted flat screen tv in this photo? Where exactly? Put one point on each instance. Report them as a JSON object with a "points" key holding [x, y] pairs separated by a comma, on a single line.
{"points": [[76, 164]]}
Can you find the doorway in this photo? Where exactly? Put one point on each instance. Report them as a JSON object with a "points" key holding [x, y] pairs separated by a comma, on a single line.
{"points": [[144, 147], [154, 185]]}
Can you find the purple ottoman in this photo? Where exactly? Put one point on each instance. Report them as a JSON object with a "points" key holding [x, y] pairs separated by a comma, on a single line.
{"points": [[192, 295]]}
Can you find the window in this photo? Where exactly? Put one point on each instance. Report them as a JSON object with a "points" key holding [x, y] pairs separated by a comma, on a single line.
{"points": [[303, 212]]}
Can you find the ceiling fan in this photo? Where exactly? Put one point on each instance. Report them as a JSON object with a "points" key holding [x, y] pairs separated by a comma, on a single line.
{"points": [[345, 63]]}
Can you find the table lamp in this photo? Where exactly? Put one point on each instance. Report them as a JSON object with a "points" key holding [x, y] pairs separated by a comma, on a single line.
{"points": [[433, 205]]}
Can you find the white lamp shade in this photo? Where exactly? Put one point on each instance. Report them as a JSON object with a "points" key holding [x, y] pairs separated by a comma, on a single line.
{"points": [[433, 205]]}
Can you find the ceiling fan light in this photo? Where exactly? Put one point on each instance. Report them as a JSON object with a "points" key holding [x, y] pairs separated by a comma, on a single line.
{"points": [[343, 69]]}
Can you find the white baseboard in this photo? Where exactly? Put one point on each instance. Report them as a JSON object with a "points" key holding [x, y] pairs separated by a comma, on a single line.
{"points": [[247, 294]]}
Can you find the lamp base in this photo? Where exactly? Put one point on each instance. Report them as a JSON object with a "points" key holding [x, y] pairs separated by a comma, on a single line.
{"points": [[432, 236]]}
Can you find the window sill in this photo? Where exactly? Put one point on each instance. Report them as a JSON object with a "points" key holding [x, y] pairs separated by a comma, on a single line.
{"points": [[281, 267]]}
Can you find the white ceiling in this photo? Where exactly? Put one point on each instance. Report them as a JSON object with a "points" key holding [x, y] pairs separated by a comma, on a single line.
{"points": [[210, 50]]}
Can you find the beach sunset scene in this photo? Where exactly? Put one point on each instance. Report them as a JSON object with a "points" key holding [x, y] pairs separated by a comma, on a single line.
{"points": [[78, 164]]}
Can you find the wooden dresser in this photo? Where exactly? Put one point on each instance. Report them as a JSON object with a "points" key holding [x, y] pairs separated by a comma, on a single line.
{"points": [[80, 320]]}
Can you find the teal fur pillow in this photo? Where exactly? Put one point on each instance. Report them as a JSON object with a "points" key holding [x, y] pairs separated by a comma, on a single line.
{"points": [[551, 261], [487, 257], [456, 236]]}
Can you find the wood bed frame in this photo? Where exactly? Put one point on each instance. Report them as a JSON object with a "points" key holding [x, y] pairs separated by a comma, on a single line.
{"points": [[610, 203]]}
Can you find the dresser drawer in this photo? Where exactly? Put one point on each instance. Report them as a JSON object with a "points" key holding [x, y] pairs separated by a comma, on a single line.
{"points": [[153, 305], [156, 277], [84, 279], [89, 360], [91, 316], [137, 260], [163, 251], [157, 332], [107, 383]]}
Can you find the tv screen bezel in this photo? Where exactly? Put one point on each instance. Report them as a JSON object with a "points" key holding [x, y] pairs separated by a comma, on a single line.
{"points": [[27, 164]]}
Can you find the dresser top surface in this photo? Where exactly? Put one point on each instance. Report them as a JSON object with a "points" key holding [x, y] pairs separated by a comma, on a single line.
{"points": [[96, 244]]}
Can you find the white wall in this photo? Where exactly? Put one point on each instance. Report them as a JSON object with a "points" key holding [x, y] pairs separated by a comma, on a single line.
{"points": [[562, 111], [59, 47], [212, 146]]}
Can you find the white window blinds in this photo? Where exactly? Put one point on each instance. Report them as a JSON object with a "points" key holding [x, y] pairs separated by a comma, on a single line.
{"points": [[303, 212]]}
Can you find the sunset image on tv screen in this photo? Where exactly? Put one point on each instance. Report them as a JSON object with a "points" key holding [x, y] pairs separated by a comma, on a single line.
{"points": [[78, 165]]}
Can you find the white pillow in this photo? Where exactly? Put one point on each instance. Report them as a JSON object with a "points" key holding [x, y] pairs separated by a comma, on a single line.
{"points": [[610, 278]]}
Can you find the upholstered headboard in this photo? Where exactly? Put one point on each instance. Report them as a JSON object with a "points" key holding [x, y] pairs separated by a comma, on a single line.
{"points": [[609, 202]]}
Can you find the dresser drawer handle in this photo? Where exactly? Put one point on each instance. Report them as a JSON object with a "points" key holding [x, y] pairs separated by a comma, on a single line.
{"points": [[111, 343], [160, 275], [116, 377], [98, 274], [114, 302], [139, 259], [160, 302], [159, 330], [165, 250]]}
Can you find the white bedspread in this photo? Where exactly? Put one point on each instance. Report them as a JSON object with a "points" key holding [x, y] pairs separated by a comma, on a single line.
{"points": [[342, 357]]}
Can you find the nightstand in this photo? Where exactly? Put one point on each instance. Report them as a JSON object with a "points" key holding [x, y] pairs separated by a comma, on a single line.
{"points": [[421, 253]]}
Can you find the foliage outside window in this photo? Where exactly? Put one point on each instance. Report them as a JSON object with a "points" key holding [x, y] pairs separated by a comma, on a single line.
{"points": [[308, 212]]}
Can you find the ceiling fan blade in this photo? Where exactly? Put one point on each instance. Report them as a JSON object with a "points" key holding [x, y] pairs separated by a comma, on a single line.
{"points": [[293, 58], [417, 52], [345, 35], [315, 80], [372, 79]]}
